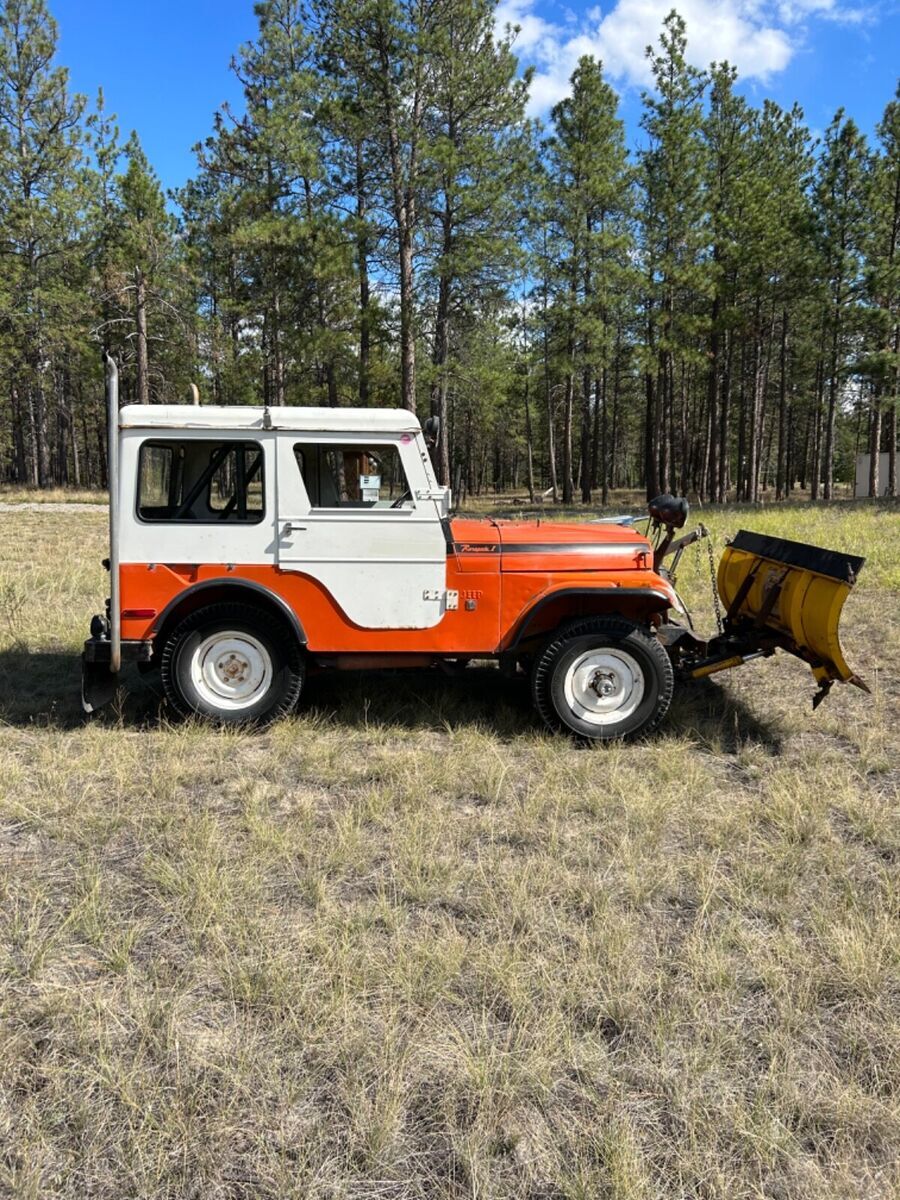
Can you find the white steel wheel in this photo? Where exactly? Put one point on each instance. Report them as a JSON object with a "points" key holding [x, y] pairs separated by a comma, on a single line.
{"points": [[602, 678], [233, 664], [231, 669], [604, 686]]}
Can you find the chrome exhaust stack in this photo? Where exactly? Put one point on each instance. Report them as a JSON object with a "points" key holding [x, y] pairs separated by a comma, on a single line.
{"points": [[102, 656], [112, 475]]}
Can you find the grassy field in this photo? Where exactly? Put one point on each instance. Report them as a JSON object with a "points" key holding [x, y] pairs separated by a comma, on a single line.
{"points": [[405, 944], [51, 495]]}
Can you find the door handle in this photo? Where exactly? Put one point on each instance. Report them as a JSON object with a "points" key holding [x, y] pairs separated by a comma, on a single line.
{"points": [[293, 527]]}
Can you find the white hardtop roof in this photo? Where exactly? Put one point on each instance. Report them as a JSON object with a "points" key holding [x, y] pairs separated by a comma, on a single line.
{"points": [[240, 416]]}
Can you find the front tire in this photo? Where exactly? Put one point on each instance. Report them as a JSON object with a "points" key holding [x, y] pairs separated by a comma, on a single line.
{"points": [[233, 665], [603, 678]]}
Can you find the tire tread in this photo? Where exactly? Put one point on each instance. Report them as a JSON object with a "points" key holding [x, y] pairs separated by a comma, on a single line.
{"points": [[620, 629], [242, 615]]}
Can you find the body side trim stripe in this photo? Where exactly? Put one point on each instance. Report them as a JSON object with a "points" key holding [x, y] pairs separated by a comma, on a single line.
{"points": [[572, 547], [549, 547]]}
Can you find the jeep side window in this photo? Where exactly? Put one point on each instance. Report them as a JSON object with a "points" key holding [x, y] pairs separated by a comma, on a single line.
{"points": [[235, 490], [353, 476], [156, 477], [201, 481]]}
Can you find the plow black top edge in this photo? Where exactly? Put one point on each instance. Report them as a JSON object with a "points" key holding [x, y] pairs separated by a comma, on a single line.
{"points": [[833, 563]]}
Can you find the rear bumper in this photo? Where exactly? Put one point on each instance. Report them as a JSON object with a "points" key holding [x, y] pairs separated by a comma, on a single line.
{"points": [[98, 682]]}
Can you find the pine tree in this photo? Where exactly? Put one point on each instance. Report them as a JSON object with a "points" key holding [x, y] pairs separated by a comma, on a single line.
{"points": [[476, 161], [726, 130], [266, 173], [776, 267], [674, 236], [40, 154], [352, 166], [841, 202], [102, 215], [145, 250], [588, 214], [382, 50], [882, 255]]}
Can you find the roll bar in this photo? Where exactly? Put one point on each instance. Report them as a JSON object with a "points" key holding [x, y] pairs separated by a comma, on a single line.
{"points": [[112, 476]]}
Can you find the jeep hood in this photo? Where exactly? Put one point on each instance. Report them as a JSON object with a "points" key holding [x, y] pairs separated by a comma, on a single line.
{"points": [[551, 546]]}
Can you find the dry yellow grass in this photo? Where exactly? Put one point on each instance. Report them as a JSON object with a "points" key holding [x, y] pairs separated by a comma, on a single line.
{"points": [[52, 495], [405, 944]]}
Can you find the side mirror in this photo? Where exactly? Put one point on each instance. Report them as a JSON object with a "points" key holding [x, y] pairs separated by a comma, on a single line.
{"points": [[431, 428], [671, 511]]}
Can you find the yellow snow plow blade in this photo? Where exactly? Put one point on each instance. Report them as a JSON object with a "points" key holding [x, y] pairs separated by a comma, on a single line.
{"points": [[794, 594]]}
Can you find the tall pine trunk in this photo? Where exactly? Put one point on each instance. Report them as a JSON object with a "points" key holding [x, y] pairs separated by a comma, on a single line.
{"points": [[140, 322], [18, 431], [568, 405], [665, 401], [362, 268], [724, 480], [603, 394], [403, 163], [41, 431], [586, 436], [781, 480], [712, 396], [875, 444], [651, 436], [548, 401], [651, 406], [277, 354], [441, 353], [529, 443], [828, 464]]}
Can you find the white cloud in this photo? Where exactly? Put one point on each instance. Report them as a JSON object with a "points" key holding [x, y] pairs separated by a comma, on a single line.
{"points": [[759, 37], [533, 30]]}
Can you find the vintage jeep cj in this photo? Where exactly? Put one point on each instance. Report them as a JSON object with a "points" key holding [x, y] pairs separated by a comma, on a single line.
{"points": [[248, 545]]}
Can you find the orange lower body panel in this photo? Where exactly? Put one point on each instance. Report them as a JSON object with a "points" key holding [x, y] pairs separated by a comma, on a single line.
{"points": [[491, 603]]}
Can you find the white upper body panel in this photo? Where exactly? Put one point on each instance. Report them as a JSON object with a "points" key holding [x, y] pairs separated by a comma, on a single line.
{"points": [[235, 417], [384, 566], [196, 541]]}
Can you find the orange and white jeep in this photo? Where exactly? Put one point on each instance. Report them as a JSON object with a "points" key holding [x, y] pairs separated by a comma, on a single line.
{"points": [[247, 544]]}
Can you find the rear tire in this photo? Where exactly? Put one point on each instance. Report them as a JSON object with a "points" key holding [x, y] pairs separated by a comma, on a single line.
{"points": [[231, 664], [602, 678]]}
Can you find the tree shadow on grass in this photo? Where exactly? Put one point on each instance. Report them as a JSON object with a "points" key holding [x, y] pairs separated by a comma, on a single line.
{"points": [[43, 689]]}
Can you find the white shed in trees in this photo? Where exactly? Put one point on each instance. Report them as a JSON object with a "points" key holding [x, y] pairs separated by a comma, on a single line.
{"points": [[862, 475]]}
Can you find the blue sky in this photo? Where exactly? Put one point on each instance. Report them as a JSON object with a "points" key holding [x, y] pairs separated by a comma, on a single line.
{"points": [[164, 66]]}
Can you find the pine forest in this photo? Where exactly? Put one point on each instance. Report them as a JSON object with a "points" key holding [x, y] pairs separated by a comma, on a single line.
{"points": [[713, 312]]}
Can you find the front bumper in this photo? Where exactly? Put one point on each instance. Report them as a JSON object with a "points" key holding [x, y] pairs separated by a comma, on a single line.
{"points": [[98, 682]]}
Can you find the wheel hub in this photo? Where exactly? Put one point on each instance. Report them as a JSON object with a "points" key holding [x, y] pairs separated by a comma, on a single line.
{"points": [[231, 669], [604, 686], [603, 683]]}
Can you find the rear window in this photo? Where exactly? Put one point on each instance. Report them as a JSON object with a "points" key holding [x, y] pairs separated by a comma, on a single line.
{"points": [[201, 481], [155, 481]]}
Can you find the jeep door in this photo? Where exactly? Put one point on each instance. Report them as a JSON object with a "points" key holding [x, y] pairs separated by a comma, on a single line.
{"points": [[358, 514]]}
